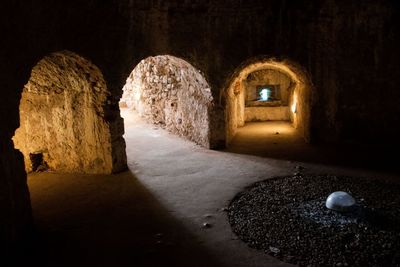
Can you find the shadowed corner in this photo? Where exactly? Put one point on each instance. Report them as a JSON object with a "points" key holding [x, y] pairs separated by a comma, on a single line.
{"points": [[279, 140], [106, 220]]}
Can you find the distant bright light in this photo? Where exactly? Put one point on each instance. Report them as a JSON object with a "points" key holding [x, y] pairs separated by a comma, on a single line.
{"points": [[264, 94], [294, 107]]}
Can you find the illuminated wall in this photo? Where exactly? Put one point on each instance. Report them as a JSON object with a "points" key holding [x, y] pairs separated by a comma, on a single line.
{"points": [[62, 116], [268, 77], [276, 86], [297, 98], [170, 92]]}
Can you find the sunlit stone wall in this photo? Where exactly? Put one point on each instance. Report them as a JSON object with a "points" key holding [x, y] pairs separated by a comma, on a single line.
{"points": [[170, 92]]}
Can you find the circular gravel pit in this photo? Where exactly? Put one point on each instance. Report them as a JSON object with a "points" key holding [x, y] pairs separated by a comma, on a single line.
{"points": [[287, 218]]}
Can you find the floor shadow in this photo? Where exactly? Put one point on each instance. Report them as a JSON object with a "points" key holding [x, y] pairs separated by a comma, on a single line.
{"points": [[275, 141], [96, 220]]}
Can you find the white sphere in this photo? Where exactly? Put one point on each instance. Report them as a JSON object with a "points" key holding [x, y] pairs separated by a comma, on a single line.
{"points": [[340, 201]]}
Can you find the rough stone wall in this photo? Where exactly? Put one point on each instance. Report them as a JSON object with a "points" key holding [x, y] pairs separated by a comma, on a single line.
{"points": [[168, 91], [345, 46], [329, 38], [62, 116]]}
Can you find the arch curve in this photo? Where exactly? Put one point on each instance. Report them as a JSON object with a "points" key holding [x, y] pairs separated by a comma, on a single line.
{"points": [[300, 90], [63, 116], [169, 91]]}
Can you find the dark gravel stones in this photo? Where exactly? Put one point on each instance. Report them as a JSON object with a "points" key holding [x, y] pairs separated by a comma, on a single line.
{"points": [[287, 218]]}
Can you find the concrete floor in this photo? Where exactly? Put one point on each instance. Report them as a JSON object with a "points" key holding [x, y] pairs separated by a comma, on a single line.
{"points": [[153, 214], [279, 140]]}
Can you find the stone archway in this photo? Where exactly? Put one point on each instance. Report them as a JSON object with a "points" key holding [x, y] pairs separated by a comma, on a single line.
{"points": [[170, 92], [267, 89], [62, 117]]}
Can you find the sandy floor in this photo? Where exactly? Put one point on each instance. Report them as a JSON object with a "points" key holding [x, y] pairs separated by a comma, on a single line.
{"points": [[153, 215]]}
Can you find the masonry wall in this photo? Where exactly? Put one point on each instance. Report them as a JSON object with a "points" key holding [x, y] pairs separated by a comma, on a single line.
{"points": [[169, 92], [267, 113], [345, 47], [62, 116]]}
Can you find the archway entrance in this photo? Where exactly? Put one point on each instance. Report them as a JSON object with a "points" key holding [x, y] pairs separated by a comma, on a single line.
{"points": [[268, 102], [62, 117], [169, 92]]}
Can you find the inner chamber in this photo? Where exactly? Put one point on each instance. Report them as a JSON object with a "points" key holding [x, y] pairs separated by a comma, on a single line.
{"points": [[268, 91], [266, 94]]}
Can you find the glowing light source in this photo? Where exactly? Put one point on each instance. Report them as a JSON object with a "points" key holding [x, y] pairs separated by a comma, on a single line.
{"points": [[294, 105], [264, 94]]}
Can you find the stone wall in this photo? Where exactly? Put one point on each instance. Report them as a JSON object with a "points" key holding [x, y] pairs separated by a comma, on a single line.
{"points": [[267, 113], [168, 91], [328, 38], [345, 46], [62, 116]]}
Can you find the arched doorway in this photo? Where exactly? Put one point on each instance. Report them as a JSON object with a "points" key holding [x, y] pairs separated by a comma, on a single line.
{"points": [[62, 117], [170, 92], [268, 90]]}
